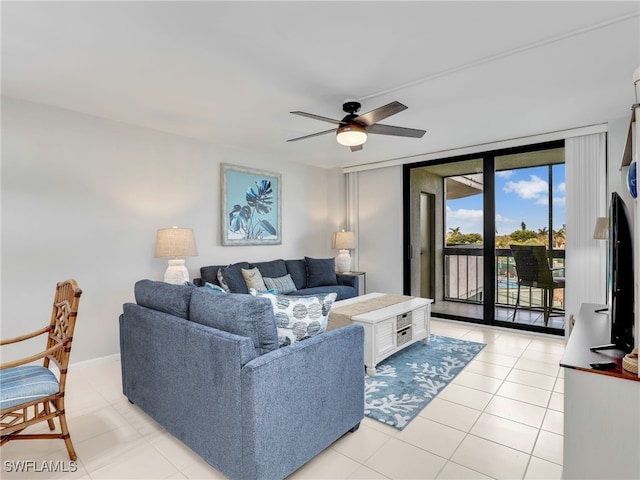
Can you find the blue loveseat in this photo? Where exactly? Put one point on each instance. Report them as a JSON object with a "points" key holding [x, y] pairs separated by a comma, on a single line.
{"points": [[207, 367], [311, 276]]}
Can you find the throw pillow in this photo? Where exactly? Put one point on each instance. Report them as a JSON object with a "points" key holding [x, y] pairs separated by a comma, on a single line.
{"points": [[298, 271], [274, 268], [280, 284], [233, 278], [215, 288], [254, 292], [222, 282], [253, 279], [321, 272], [301, 317]]}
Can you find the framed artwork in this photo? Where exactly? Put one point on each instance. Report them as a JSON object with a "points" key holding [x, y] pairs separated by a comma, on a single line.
{"points": [[250, 206]]}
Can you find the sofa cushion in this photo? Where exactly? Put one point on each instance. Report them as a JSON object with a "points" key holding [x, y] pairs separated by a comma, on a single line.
{"points": [[242, 315], [272, 269], [253, 279], [298, 271], [280, 284], [164, 297], [210, 274], [232, 276], [321, 271], [343, 291], [300, 317]]}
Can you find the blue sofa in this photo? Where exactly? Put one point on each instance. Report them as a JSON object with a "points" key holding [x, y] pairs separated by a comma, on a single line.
{"points": [[207, 367], [311, 276]]}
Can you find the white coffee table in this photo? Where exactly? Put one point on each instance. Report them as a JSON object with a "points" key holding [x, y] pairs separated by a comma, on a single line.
{"points": [[389, 329]]}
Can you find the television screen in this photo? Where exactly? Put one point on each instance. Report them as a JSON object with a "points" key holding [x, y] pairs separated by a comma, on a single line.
{"points": [[621, 280]]}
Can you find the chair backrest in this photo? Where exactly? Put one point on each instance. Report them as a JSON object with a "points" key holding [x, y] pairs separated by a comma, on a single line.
{"points": [[63, 323], [532, 265]]}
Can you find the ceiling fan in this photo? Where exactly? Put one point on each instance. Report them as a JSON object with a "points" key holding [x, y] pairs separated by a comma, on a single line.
{"points": [[353, 129]]}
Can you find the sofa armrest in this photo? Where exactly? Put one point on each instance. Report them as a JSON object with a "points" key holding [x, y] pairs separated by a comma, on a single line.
{"points": [[299, 399], [186, 376], [348, 280]]}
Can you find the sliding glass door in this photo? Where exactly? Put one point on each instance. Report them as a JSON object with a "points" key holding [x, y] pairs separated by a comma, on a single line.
{"points": [[484, 205]]}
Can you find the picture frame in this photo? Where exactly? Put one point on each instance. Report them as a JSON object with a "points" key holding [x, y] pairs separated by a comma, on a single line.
{"points": [[251, 206]]}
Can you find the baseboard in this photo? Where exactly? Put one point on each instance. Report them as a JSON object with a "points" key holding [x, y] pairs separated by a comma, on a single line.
{"points": [[95, 361]]}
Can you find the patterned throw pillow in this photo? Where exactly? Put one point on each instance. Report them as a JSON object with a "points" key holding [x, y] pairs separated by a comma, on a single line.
{"points": [[301, 317], [222, 281], [280, 284], [253, 279]]}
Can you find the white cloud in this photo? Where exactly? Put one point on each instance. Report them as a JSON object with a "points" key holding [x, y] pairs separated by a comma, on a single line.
{"points": [[561, 187], [533, 189], [464, 214], [504, 174]]}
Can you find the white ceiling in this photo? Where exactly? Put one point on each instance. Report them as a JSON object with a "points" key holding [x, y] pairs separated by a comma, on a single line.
{"points": [[230, 72]]}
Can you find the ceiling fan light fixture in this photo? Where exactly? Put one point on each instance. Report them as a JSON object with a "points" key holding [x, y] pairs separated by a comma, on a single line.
{"points": [[351, 135]]}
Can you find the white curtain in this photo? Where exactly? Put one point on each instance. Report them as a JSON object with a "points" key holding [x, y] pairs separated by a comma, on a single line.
{"points": [[586, 199], [352, 214]]}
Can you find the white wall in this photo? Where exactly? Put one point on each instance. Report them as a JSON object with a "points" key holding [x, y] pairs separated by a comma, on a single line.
{"points": [[380, 228], [82, 197]]}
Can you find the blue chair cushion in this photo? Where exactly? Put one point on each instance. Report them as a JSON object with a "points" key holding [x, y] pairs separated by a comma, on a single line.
{"points": [[25, 384]]}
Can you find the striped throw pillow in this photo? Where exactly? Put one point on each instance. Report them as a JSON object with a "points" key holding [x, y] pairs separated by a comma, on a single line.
{"points": [[280, 284]]}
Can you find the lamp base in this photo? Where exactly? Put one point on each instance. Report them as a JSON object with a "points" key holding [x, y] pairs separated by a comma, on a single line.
{"points": [[176, 272], [343, 262]]}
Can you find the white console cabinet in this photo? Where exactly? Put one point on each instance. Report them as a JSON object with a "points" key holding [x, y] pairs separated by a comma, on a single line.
{"points": [[601, 407]]}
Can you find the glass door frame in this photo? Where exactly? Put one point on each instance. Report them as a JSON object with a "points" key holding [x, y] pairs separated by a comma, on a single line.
{"points": [[489, 229]]}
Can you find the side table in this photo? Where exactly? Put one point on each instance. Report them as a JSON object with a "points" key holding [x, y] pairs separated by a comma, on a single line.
{"points": [[362, 281]]}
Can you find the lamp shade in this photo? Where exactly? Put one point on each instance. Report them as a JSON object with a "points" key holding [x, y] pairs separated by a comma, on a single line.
{"points": [[175, 242], [601, 231], [351, 135], [344, 240]]}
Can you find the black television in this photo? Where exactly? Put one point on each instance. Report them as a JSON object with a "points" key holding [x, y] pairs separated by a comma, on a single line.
{"points": [[620, 282]]}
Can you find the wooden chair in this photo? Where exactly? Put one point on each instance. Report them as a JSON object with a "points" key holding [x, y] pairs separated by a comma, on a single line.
{"points": [[30, 394], [532, 267]]}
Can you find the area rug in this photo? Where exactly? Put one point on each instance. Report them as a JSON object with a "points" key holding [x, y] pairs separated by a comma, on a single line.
{"points": [[407, 381]]}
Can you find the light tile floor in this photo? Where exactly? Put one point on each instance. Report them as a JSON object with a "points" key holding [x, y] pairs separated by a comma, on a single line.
{"points": [[502, 417]]}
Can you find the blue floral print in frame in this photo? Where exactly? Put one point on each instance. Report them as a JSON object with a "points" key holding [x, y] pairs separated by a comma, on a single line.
{"points": [[250, 206]]}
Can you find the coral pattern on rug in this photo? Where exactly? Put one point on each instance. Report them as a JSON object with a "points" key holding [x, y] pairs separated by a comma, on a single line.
{"points": [[407, 381]]}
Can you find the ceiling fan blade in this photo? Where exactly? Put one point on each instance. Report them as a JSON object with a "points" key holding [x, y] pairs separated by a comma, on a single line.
{"points": [[374, 116], [317, 117], [355, 148], [397, 131], [333, 130]]}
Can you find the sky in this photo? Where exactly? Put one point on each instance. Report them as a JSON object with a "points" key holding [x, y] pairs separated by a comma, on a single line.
{"points": [[521, 196]]}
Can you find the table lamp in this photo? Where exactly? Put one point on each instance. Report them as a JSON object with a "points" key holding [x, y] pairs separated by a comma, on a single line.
{"points": [[601, 230], [343, 241], [173, 243]]}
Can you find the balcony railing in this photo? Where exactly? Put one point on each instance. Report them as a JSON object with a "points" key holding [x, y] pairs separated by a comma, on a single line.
{"points": [[464, 281]]}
